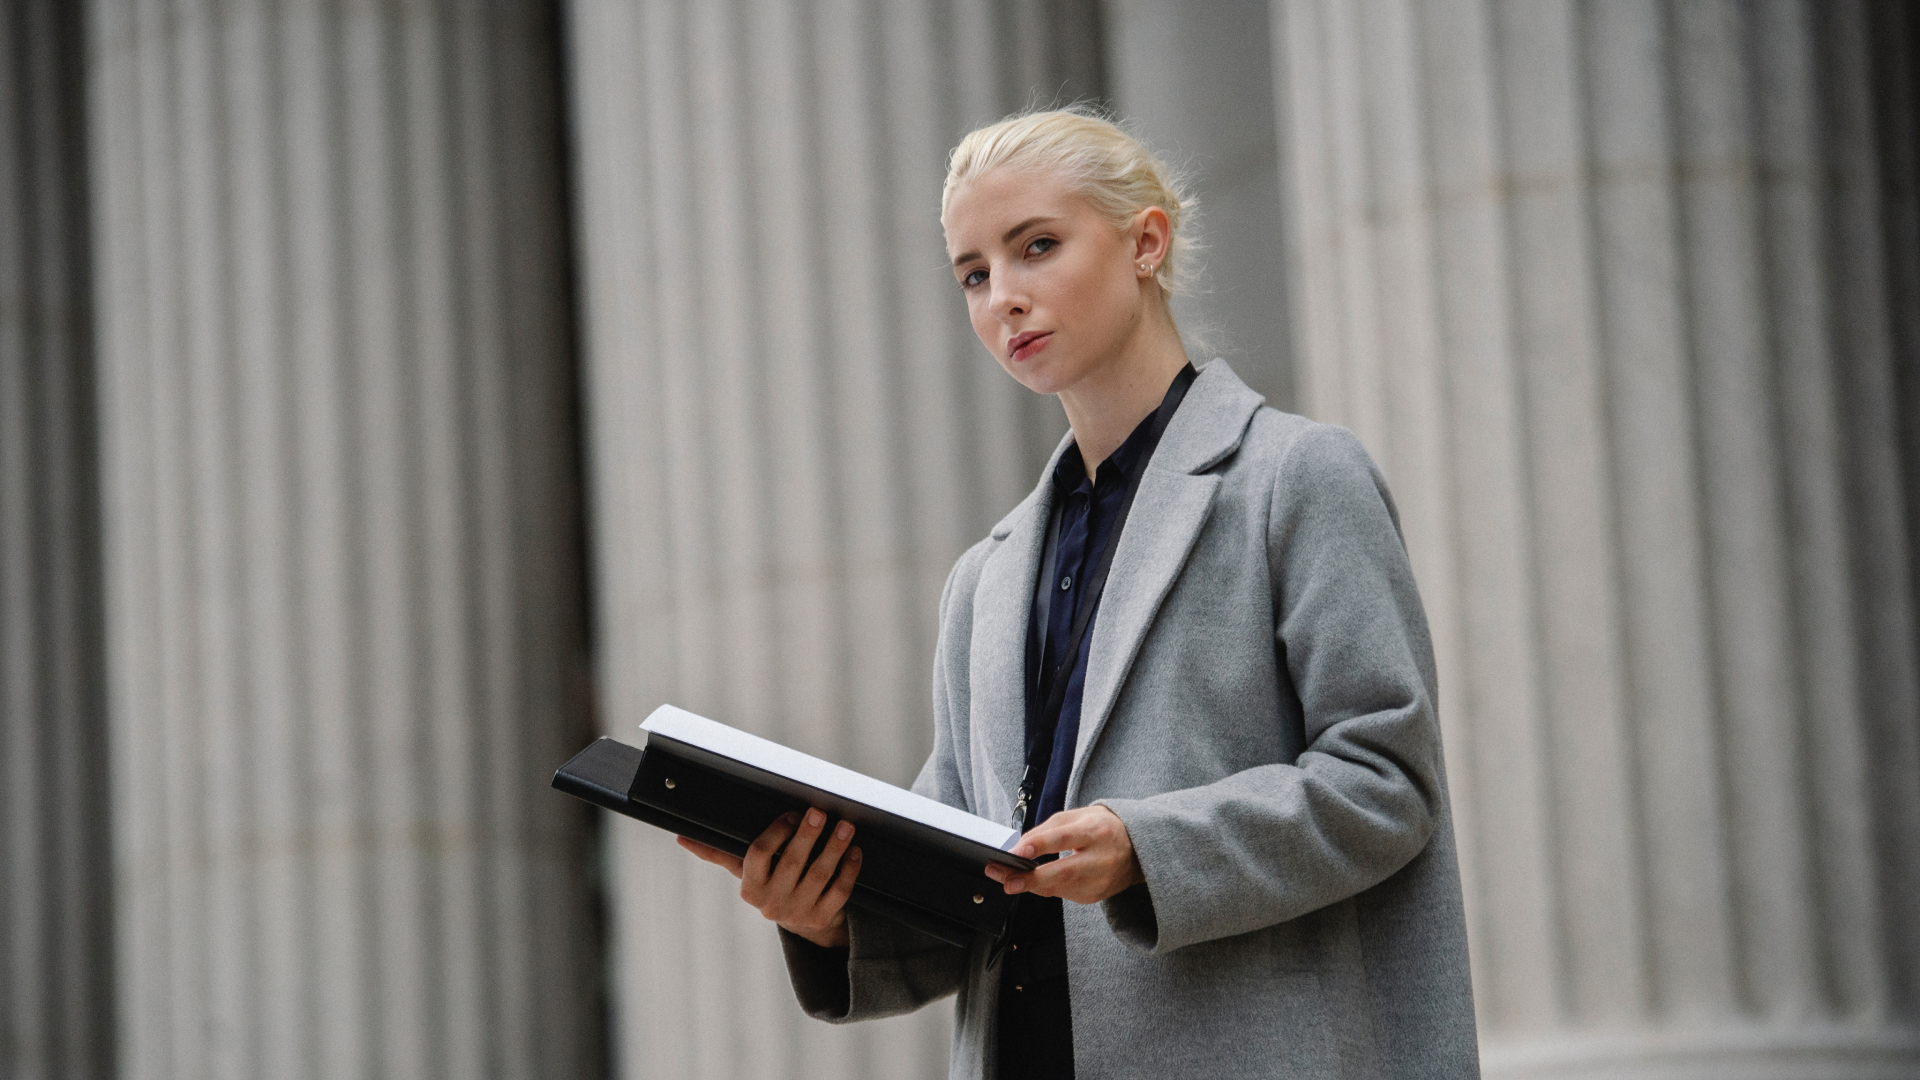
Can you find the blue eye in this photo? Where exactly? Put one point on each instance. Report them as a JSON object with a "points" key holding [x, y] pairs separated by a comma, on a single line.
{"points": [[1041, 245], [974, 277]]}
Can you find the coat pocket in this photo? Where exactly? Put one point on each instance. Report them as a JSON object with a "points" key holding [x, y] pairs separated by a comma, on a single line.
{"points": [[1249, 1023]]}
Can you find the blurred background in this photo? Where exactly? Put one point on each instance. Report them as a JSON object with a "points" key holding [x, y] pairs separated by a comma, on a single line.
{"points": [[394, 395]]}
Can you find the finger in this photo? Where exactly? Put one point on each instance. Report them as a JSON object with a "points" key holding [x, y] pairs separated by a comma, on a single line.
{"points": [[713, 855], [1084, 877], [821, 873], [1050, 879], [836, 895], [1069, 830], [793, 861], [1055, 835], [1070, 882], [757, 867]]}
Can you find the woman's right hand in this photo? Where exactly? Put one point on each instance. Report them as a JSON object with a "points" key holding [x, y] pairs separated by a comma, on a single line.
{"points": [[774, 876]]}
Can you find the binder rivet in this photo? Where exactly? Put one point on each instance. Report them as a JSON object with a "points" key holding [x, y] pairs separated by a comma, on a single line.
{"points": [[669, 781], [979, 898]]}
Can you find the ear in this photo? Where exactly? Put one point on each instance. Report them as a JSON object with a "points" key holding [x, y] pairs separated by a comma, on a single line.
{"points": [[1152, 236]]}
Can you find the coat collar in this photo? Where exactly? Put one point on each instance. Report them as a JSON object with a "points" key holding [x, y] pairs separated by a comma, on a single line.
{"points": [[1169, 510], [1206, 430]]}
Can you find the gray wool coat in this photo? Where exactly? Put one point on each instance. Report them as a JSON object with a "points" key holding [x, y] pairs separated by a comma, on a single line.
{"points": [[1259, 711]]}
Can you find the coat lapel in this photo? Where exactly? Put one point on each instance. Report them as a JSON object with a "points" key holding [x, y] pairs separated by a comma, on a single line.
{"points": [[997, 666], [1166, 519], [1169, 512]]}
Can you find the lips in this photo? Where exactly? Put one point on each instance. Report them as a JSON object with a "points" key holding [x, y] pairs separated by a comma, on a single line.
{"points": [[1026, 344]]}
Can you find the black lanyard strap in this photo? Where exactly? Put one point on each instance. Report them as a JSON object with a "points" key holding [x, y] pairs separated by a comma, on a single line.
{"points": [[1041, 728]]}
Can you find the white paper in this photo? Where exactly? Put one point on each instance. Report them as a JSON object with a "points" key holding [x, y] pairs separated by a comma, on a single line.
{"points": [[718, 738]]}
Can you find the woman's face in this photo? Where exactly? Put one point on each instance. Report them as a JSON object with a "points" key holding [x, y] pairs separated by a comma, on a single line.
{"points": [[1052, 288]]}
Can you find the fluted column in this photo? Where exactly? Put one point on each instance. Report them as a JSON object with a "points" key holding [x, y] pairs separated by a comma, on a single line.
{"points": [[344, 587], [56, 988], [793, 431], [1195, 81], [1623, 296]]}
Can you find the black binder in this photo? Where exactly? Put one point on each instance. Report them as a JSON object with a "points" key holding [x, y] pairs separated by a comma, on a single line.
{"points": [[913, 871]]}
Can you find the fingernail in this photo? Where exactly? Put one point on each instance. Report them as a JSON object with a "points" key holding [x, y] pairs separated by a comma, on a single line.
{"points": [[815, 818], [854, 855], [845, 830]]}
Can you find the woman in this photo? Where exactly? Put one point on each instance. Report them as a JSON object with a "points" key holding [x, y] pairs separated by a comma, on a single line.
{"points": [[1192, 665]]}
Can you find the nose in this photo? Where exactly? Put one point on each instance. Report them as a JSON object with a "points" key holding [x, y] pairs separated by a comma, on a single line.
{"points": [[1008, 299]]}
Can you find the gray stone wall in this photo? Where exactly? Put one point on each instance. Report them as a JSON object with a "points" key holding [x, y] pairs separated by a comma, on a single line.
{"points": [[1622, 297], [346, 637], [56, 994]]}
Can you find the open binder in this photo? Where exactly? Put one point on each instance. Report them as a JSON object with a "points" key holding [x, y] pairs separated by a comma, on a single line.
{"points": [[923, 860]]}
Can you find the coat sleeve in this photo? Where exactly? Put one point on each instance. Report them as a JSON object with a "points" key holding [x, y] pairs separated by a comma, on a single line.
{"points": [[888, 969], [1277, 841]]}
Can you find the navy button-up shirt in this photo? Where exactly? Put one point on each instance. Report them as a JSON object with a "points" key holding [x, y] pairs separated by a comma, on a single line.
{"points": [[1084, 517], [1035, 1016]]}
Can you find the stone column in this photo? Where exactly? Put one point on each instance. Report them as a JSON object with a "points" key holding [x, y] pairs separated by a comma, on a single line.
{"points": [[56, 957], [794, 434], [1623, 297], [1195, 81], [344, 584]]}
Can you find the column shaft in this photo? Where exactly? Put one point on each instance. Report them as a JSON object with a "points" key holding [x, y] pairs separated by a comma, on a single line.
{"points": [[1195, 82], [1622, 294], [56, 988], [345, 597], [794, 433]]}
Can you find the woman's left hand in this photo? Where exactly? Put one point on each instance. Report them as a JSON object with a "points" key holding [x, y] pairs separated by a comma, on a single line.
{"points": [[1102, 862]]}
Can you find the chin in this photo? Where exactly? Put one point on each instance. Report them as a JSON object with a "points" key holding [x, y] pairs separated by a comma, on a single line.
{"points": [[1040, 381], [1043, 374], [1056, 377]]}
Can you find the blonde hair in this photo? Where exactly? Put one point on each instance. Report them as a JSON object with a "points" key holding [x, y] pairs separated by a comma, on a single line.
{"points": [[1097, 159]]}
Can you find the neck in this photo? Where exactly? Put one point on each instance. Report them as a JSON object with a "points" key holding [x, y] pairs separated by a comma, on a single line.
{"points": [[1104, 407]]}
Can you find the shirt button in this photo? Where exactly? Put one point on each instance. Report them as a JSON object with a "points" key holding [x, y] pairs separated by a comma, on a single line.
{"points": [[1066, 583]]}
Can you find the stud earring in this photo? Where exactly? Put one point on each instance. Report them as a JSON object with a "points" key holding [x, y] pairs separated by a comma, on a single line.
{"points": [[1145, 269]]}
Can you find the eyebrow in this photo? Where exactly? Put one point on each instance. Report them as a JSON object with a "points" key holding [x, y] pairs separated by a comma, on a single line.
{"points": [[1007, 238]]}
